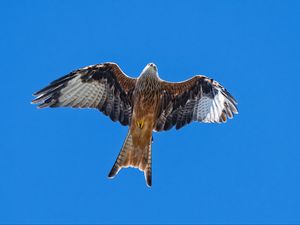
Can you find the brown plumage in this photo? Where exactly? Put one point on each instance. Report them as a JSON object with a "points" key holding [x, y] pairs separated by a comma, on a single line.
{"points": [[146, 104]]}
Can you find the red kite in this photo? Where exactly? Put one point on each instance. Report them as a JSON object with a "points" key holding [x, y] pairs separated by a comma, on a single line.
{"points": [[145, 104]]}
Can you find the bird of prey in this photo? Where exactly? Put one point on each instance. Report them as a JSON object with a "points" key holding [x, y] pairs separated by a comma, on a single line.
{"points": [[145, 104]]}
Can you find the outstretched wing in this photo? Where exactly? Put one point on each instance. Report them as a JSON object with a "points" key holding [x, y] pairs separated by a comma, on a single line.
{"points": [[198, 99], [101, 86]]}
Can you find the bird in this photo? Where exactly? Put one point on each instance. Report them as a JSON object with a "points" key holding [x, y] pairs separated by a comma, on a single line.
{"points": [[145, 104]]}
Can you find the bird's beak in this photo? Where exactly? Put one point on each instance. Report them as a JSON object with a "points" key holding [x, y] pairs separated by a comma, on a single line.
{"points": [[153, 66]]}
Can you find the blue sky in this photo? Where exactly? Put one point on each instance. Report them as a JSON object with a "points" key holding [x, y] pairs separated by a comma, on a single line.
{"points": [[54, 162]]}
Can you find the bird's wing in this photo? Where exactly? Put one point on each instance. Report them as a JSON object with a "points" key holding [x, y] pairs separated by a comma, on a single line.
{"points": [[101, 86], [198, 99]]}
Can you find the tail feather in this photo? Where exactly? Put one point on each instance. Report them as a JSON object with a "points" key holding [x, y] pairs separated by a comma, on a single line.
{"points": [[120, 162], [148, 170], [130, 156]]}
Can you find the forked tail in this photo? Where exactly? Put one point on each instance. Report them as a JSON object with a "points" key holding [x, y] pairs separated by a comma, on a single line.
{"points": [[136, 157]]}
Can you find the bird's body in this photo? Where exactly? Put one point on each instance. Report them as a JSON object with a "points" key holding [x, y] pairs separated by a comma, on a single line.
{"points": [[145, 104]]}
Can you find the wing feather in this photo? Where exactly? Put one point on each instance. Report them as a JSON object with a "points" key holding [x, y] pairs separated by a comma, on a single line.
{"points": [[101, 86], [198, 99]]}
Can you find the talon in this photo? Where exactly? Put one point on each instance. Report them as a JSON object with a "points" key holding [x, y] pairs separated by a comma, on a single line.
{"points": [[140, 124]]}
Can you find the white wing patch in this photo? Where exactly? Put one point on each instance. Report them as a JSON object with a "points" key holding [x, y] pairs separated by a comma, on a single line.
{"points": [[82, 95], [209, 110]]}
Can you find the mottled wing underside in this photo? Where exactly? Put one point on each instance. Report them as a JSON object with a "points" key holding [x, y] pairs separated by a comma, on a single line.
{"points": [[101, 86], [199, 99]]}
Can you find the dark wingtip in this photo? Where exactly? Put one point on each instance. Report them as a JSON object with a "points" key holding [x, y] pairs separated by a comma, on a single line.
{"points": [[149, 183], [114, 171], [39, 92], [237, 110], [36, 101], [148, 177]]}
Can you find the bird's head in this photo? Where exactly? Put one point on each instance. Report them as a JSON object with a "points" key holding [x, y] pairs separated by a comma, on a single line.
{"points": [[150, 70], [151, 66]]}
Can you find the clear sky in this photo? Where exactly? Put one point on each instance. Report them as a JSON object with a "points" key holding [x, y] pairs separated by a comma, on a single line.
{"points": [[54, 162]]}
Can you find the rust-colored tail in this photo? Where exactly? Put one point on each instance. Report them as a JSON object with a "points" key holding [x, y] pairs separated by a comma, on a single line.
{"points": [[136, 157]]}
